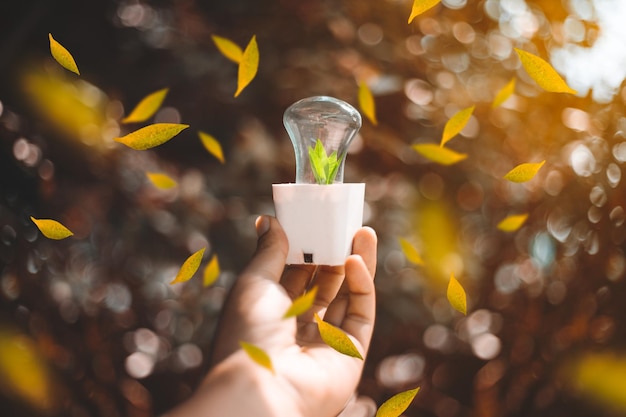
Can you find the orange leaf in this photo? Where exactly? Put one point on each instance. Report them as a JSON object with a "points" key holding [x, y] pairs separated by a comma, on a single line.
{"points": [[189, 268], [512, 223], [367, 103], [162, 181], [435, 153], [420, 6], [258, 355], [543, 73], [524, 172], [212, 271], [146, 107], [52, 229], [410, 252], [301, 304], [336, 338], [456, 295], [228, 48], [456, 124], [212, 145], [152, 135], [248, 66]]}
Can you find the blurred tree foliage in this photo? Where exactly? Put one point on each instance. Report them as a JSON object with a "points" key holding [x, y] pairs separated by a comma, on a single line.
{"points": [[90, 326]]}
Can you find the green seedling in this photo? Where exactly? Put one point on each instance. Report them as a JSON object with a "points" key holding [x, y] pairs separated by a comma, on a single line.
{"points": [[324, 167]]}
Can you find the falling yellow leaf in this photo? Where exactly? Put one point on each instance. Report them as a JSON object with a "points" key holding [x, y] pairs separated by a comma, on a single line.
{"points": [[228, 48], [524, 172], [543, 73], [151, 135], [456, 124], [336, 338], [62, 55], [52, 229], [248, 66], [257, 354], [367, 103], [189, 268], [420, 6], [162, 181], [301, 304], [504, 93], [456, 295], [435, 153], [146, 107], [512, 223], [410, 252], [212, 145], [211, 271], [397, 404]]}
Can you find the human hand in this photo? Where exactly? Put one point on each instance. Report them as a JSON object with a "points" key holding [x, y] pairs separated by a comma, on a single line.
{"points": [[311, 379]]}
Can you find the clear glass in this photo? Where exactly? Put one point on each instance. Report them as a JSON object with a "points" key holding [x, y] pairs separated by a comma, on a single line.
{"points": [[334, 122]]}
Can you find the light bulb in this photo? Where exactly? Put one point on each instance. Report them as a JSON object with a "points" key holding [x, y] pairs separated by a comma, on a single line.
{"points": [[333, 123], [320, 214]]}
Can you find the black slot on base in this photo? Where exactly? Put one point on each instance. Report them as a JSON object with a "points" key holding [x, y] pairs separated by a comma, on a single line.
{"points": [[308, 258]]}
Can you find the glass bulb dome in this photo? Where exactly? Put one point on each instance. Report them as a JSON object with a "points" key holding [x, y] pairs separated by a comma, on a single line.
{"points": [[321, 129]]}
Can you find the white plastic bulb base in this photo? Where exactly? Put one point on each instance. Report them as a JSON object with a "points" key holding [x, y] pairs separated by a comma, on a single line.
{"points": [[320, 220]]}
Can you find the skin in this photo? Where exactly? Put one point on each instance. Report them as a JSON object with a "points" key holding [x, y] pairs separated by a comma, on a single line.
{"points": [[309, 378]]}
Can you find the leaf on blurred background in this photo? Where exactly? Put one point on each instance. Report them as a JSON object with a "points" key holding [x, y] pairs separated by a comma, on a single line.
{"points": [[212, 145], [600, 376], [367, 103], [524, 172], [397, 404], [211, 271], [257, 354], [146, 107], [189, 268], [62, 55], [248, 66], [337, 338], [456, 124], [52, 229], [228, 48], [151, 135], [512, 223], [420, 6], [436, 153], [504, 93], [162, 181], [411, 253], [301, 304], [456, 295], [543, 73]]}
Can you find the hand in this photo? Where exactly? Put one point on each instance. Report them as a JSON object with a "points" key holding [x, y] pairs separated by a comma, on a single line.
{"points": [[311, 379]]}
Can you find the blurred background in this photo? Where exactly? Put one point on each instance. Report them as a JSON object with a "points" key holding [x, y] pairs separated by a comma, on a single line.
{"points": [[89, 326]]}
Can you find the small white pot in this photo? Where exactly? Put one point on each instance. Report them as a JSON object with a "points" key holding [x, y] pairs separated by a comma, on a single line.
{"points": [[320, 220]]}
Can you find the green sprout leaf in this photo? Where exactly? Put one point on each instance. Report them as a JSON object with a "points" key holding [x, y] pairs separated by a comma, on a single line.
{"points": [[325, 167]]}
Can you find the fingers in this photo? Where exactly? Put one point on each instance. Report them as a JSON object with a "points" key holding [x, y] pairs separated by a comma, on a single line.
{"points": [[296, 279], [365, 241], [269, 259]]}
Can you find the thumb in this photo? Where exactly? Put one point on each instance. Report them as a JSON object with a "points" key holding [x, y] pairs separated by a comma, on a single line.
{"points": [[271, 251]]}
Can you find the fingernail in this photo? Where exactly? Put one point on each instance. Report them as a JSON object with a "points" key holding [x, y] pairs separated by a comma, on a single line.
{"points": [[262, 225]]}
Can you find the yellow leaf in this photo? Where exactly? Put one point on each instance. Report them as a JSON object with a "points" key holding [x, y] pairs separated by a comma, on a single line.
{"points": [[367, 103], [420, 6], [161, 181], [151, 135], [248, 66], [512, 223], [228, 48], [212, 145], [410, 252], [397, 404], [336, 338], [504, 93], [146, 107], [62, 55], [212, 271], [456, 295], [301, 304], [543, 73], [257, 354], [524, 172], [52, 229], [456, 124], [189, 268], [435, 153]]}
